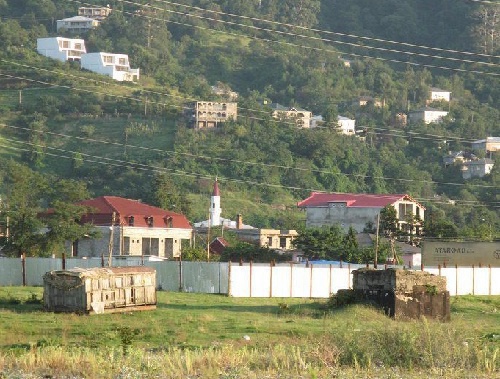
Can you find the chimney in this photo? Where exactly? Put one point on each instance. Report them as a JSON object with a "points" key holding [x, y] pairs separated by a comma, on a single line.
{"points": [[239, 221]]}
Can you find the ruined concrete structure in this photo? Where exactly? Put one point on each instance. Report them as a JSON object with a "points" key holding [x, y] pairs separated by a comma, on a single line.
{"points": [[403, 293]]}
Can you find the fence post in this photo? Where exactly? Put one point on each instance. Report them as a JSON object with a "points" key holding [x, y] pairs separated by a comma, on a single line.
{"points": [[23, 265], [291, 279], [456, 280], [349, 275], [180, 275], [63, 261]]}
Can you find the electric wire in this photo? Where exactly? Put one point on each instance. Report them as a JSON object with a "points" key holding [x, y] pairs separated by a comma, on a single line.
{"points": [[300, 45]]}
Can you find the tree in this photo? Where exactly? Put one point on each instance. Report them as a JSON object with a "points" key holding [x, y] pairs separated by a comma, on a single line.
{"points": [[27, 196], [321, 243], [351, 249], [167, 195]]}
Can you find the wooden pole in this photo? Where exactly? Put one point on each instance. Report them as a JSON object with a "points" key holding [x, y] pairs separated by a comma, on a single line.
{"points": [[111, 240], [23, 265], [375, 263]]}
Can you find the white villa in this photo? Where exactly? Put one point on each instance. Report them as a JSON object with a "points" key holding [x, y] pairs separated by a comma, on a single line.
{"points": [[346, 125], [60, 48], [427, 115], [116, 66], [77, 24], [437, 94]]}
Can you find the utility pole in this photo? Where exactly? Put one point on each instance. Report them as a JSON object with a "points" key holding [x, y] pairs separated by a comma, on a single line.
{"points": [[111, 240], [375, 263], [208, 239]]}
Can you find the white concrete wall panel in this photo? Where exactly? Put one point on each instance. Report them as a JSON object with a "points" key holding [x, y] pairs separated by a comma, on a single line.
{"points": [[301, 280], [240, 281], [465, 281], [261, 280], [282, 280]]}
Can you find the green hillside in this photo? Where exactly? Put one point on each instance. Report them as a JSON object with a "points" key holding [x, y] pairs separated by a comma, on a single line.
{"points": [[118, 137]]}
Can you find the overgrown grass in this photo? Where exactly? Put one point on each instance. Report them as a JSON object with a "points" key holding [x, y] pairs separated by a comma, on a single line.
{"points": [[197, 335]]}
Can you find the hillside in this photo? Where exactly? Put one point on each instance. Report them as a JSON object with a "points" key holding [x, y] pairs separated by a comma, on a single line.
{"points": [[118, 137]]}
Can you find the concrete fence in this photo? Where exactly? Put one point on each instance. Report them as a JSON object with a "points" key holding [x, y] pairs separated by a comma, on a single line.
{"points": [[247, 280]]}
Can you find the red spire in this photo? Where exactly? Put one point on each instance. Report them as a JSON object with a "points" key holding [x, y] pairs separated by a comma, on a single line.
{"points": [[216, 188]]}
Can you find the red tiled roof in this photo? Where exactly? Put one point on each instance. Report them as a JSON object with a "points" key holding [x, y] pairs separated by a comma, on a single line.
{"points": [[104, 206], [319, 199]]}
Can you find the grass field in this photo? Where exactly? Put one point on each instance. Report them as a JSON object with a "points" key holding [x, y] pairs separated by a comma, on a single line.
{"points": [[201, 335]]}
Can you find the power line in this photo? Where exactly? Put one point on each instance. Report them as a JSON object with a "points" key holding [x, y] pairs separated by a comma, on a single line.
{"points": [[208, 158], [304, 46], [396, 133], [155, 169], [327, 31]]}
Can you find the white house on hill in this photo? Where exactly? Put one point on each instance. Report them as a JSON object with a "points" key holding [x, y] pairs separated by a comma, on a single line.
{"points": [[346, 125], [77, 24], [60, 48], [427, 115], [437, 94], [116, 66]]}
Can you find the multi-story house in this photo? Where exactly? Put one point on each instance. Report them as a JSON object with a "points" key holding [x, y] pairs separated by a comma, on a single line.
{"points": [[116, 66], [477, 168], [427, 115], [60, 48], [300, 117], [76, 24], [360, 210], [129, 227], [209, 114], [97, 13], [346, 125]]}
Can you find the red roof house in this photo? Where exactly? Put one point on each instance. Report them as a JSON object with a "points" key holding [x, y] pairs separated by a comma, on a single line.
{"points": [[135, 229], [356, 210]]}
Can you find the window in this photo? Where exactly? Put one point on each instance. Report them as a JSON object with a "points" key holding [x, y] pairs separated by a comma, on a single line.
{"points": [[283, 242], [269, 241], [108, 59], [131, 221], [65, 44], [149, 221], [122, 61]]}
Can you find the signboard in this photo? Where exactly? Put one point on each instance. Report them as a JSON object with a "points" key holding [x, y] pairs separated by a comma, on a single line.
{"points": [[461, 253]]}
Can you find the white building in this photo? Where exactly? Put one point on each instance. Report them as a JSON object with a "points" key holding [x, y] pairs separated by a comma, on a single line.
{"points": [[427, 115], [129, 227], [438, 94], [60, 48], [346, 125], [77, 24], [299, 116], [115, 66]]}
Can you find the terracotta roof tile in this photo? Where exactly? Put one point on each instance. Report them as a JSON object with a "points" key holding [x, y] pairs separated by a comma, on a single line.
{"points": [[104, 207]]}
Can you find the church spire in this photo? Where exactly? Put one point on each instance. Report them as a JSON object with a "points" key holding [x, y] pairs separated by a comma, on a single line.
{"points": [[215, 209], [216, 188]]}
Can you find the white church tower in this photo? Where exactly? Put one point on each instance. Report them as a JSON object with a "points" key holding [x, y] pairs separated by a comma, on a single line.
{"points": [[215, 209]]}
